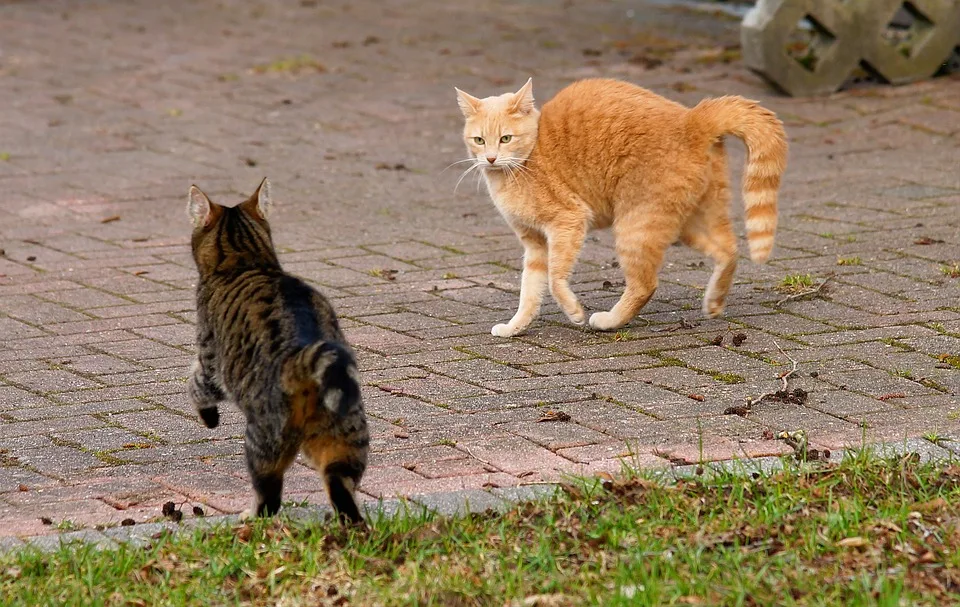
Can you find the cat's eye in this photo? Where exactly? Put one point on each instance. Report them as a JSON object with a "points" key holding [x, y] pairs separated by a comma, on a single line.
{"points": [[478, 140], [506, 138]]}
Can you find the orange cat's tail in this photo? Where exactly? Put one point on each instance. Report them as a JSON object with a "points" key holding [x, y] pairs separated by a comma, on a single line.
{"points": [[763, 134]]}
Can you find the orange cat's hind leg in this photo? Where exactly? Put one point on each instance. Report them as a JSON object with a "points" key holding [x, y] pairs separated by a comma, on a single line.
{"points": [[641, 239], [710, 232], [565, 243]]}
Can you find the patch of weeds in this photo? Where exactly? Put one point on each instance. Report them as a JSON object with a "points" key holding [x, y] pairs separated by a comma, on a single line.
{"points": [[449, 276], [447, 442], [670, 361], [623, 335], [4, 156], [291, 65], [727, 378], [936, 438], [851, 238], [950, 359], [904, 373], [848, 261], [934, 385], [826, 235], [795, 283], [896, 343], [67, 525], [951, 271]]}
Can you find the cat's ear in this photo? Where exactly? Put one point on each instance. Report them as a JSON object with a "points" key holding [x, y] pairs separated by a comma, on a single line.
{"points": [[523, 99], [469, 104], [260, 203], [201, 211]]}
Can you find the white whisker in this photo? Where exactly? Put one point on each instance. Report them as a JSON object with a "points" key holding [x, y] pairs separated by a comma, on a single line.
{"points": [[464, 174], [456, 163]]}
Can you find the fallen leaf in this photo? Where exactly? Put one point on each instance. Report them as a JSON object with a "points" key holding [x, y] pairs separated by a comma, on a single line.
{"points": [[697, 397], [924, 240], [853, 542], [110, 219], [885, 397], [22, 487], [401, 434], [553, 416]]}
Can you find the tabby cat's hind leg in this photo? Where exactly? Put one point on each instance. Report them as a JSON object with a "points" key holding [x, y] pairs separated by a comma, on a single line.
{"points": [[342, 463], [710, 232], [268, 457]]}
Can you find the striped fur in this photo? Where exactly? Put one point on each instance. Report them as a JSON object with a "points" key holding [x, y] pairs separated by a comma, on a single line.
{"points": [[605, 153], [271, 343]]}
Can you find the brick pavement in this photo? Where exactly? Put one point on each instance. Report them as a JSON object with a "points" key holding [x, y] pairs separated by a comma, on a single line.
{"points": [[110, 111]]}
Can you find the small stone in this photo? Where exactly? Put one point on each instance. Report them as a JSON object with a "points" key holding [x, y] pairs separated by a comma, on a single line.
{"points": [[198, 511], [46, 520], [31, 258], [128, 522]]}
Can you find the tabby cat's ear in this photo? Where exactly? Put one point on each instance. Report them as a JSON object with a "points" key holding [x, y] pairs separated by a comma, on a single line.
{"points": [[201, 211], [523, 99], [260, 203], [469, 104]]}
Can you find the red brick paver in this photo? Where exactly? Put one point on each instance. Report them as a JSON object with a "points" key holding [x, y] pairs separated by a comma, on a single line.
{"points": [[111, 110]]}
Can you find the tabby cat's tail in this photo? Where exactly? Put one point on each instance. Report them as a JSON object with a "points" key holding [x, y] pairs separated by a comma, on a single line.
{"points": [[335, 445], [331, 367], [763, 134]]}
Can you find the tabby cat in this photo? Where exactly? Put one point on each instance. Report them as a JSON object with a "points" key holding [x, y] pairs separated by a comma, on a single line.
{"points": [[608, 153], [271, 343]]}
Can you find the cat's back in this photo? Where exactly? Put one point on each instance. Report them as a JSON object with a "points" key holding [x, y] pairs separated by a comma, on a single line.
{"points": [[263, 316], [599, 104]]}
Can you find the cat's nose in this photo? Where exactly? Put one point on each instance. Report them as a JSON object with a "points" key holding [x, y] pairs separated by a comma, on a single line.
{"points": [[491, 159]]}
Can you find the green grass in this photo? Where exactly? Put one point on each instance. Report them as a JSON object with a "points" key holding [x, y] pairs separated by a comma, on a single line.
{"points": [[849, 261], [951, 271], [795, 283], [866, 531]]}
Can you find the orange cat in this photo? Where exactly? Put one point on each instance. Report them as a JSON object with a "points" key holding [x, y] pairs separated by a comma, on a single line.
{"points": [[608, 153]]}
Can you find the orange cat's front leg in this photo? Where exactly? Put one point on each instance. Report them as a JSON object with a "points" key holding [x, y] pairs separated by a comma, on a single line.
{"points": [[533, 283]]}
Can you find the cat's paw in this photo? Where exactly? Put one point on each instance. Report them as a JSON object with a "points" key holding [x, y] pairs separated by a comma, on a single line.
{"points": [[504, 330], [578, 318], [247, 515], [605, 321], [210, 417], [712, 309]]}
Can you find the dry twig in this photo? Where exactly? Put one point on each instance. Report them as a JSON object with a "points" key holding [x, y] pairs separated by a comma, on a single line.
{"points": [[784, 378]]}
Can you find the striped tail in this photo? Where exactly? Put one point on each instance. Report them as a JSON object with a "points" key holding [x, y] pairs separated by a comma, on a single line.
{"points": [[331, 367], [763, 134]]}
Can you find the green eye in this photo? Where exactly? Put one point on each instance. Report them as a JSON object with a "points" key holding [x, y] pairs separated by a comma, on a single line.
{"points": [[506, 138], [478, 140]]}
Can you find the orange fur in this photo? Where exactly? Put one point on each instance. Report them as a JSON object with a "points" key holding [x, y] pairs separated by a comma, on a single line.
{"points": [[605, 153]]}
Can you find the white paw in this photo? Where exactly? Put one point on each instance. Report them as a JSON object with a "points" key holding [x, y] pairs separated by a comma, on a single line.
{"points": [[504, 330], [578, 318], [247, 515], [604, 321], [712, 309]]}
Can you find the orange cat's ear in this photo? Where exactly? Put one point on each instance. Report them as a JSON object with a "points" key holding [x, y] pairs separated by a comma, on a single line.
{"points": [[260, 203], [201, 211], [469, 104], [523, 99]]}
